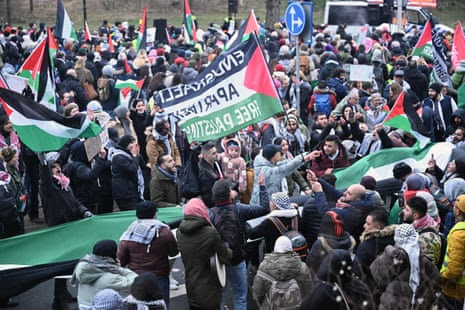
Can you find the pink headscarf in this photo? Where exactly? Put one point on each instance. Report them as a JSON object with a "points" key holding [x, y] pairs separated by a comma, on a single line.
{"points": [[196, 207]]}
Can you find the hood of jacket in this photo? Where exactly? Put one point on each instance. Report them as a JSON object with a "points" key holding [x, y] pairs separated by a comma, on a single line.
{"points": [[191, 223], [460, 113], [88, 273], [224, 143], [378, 233], [344, 242], [281, 266]]}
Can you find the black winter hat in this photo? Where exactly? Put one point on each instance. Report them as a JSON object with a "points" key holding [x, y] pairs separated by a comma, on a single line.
{"points": [[106, 248], [270, 150], [146, 209]]}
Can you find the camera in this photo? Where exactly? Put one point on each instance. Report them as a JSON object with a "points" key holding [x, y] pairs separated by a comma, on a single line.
{"points": [[400, 199]]}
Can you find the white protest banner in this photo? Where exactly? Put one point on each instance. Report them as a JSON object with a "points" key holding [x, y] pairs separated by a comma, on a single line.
{"points": [[361, 73]]}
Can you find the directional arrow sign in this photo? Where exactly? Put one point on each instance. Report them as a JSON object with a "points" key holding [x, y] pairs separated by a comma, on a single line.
{"points": [[295, 18]]}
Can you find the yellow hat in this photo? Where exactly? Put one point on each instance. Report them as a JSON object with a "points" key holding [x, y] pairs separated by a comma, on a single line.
{"points": [[460, 202]]}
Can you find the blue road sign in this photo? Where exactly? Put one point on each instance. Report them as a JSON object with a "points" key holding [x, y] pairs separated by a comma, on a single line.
{"points": [[295, 18]]}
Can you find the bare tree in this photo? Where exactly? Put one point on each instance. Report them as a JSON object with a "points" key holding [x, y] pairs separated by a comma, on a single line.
{"points": [[273, 9]]}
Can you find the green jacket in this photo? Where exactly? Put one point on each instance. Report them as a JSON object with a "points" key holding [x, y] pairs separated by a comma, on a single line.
{"points": [[197, 242], [163, 191], [282, 267]]}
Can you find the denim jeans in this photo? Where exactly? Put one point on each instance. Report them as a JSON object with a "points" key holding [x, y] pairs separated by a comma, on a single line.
{"points": [[164, 284], [236, 279]]}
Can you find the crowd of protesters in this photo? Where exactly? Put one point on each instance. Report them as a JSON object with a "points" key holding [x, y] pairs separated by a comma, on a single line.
{"points": [[358, 249]]}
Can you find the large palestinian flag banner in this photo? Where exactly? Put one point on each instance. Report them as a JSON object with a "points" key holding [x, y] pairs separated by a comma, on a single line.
{"points": [[234, 91], [42, 129], [29, 259], [380, 164]]}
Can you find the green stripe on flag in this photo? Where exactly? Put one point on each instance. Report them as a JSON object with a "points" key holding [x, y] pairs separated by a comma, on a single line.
{"points": [[72, 240], [379, 165], [222, 122]]}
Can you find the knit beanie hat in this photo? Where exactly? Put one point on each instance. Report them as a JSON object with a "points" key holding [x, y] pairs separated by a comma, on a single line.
{"points": [[107, 299], [281, 200], [221, 190], [332, 224], [146, 209], [460, 202], [415, 182], [106, 248], [282, 245]]}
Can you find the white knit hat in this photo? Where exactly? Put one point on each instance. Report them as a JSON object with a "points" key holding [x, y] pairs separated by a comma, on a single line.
{"points": [[282, 245]]}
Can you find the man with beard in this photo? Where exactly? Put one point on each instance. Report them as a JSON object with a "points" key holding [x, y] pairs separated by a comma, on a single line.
{"points": [[443, 107], [164, 186], [458, 137]]}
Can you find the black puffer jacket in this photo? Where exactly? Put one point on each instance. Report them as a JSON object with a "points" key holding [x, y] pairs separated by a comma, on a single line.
{"points": [[83, 176], [124, 169], [60, 205], [9, 220]]}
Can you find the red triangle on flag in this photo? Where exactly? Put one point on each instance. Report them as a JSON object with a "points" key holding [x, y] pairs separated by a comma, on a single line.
{"points": [[34, 62], [458, 46], [126, 91], [257, 76], [397, 108], [426, 35]]}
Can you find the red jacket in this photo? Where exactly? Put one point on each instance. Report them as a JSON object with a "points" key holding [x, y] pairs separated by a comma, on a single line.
{"points": [[320, 164]]}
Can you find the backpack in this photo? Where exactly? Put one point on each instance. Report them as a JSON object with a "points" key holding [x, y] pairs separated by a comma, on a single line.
{"points": [[103, 89], [189, 180], [323, 103], [227, 224], [443, 244], [282, 294], [304, 64], [299, 244]]}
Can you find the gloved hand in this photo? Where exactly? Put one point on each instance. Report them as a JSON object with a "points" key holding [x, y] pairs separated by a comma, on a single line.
{"points": [[88, 214]]}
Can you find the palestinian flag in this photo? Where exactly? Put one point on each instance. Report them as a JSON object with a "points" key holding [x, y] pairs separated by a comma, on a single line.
{"points": [[424, 46], [125, 95], [64, 27], [130, 83], [142, 36], [41, 129], [38, 256], [190, 31], [458, 46], [52, 47], [403, 116], [440, 73], [234, 91], [379, 164], [87, 35], [243, 33], [37, 69]]}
